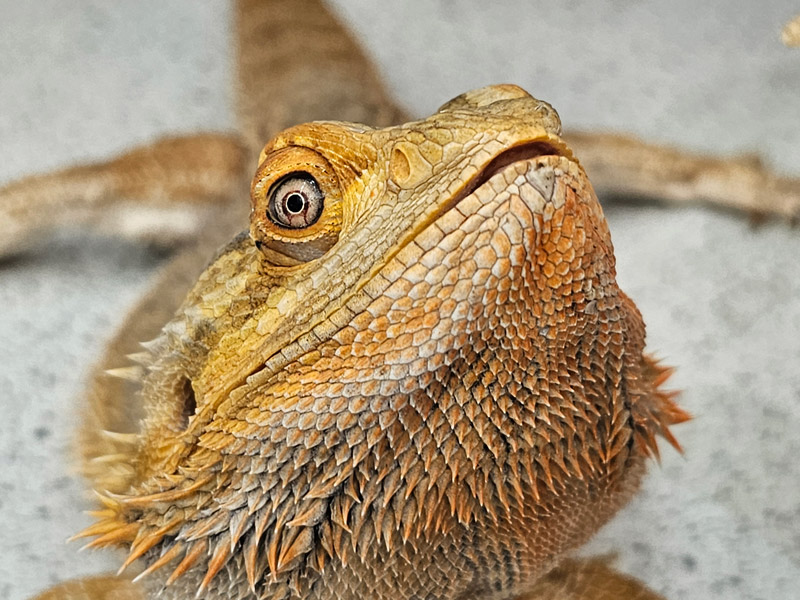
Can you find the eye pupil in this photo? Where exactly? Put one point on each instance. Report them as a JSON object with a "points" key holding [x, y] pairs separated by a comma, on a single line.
{"points": [[295, 202]]}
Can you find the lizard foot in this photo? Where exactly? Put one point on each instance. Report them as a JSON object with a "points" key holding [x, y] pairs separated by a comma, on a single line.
{"points": [[589, 579], [104, 587]]}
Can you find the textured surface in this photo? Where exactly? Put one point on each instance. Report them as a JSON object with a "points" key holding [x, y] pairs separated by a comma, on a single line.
{"points": [[440, 405], [718, 297]]}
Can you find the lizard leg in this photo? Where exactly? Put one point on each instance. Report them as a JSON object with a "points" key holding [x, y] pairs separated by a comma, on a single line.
{"points": [[625, 166], [588, 579], [157, 193], [103, 587]]}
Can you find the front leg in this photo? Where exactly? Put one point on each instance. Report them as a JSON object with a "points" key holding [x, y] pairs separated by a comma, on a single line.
{"points": [[161, 193], [104, 587], [589, 579]]}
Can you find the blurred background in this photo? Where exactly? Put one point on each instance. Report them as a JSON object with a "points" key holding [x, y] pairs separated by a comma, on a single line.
{"points": [[81, 81]]}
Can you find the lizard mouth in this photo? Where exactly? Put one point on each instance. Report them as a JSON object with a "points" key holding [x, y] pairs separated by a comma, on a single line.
{"points": [[522, 151], [518, 153]]}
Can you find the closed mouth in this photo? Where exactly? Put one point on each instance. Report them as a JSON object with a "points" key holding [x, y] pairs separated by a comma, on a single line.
{"points": [[518, 153]]}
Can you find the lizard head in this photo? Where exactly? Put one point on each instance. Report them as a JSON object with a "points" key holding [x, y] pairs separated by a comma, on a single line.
{"points": [[422, 331]]}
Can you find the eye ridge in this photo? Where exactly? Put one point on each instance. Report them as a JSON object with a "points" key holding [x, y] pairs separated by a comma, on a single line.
{"points": [[295, 201]]}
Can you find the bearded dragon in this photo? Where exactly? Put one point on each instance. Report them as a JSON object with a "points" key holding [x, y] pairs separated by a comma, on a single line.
{"points": [[204, 364]]}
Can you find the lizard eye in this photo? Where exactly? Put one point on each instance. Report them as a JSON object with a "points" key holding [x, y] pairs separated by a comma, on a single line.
{"points": [[295, 201], [297, 206]]}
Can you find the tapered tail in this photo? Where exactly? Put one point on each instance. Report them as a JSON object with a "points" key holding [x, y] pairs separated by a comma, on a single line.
{"points": [[298, 63]]}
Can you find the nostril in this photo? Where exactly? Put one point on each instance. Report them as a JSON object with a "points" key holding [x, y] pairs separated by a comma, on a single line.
{"points": [[188, 402]]}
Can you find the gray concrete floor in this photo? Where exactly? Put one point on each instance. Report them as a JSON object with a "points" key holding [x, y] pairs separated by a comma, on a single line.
{"points": [[722, 300]]}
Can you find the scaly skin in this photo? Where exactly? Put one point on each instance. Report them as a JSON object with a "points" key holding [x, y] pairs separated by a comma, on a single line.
{"points": [[545, 499], [435, 390]]}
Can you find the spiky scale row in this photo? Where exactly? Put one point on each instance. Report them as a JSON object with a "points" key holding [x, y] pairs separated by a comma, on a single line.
{"points": [[476, 395]]}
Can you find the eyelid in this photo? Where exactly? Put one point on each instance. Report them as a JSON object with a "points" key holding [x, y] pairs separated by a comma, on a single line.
{"points": [[284, 246]]}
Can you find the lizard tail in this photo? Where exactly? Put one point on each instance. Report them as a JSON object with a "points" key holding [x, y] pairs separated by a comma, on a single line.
{"points": [[298, 63]]}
